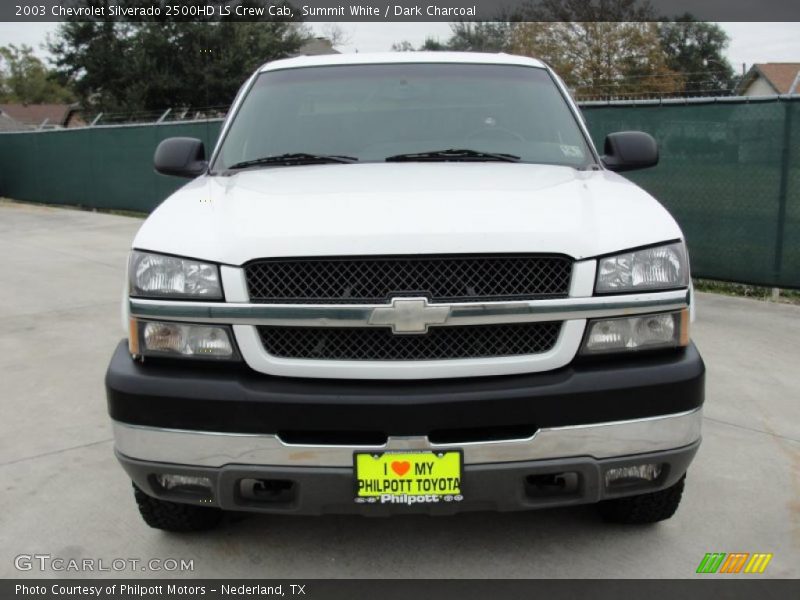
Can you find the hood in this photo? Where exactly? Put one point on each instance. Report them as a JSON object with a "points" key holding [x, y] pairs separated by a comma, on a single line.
{"points": [[405, 208]]}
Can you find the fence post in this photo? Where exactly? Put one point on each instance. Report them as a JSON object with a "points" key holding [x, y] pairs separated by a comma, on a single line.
{"points": [[783, 191], [164, 115]]}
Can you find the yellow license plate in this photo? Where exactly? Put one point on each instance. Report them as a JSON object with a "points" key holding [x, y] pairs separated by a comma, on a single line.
{"points": [[408, 477]]}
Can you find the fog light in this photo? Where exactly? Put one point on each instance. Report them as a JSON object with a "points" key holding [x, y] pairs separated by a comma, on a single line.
{"points": [[633, 474], [157, 338], [188, 483]]}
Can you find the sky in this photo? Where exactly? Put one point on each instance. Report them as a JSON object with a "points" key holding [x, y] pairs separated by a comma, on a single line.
{"points": [[750, 42]]}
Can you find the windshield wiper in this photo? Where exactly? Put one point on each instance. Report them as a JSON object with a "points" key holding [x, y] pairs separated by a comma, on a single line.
{"points": [[293, 158], [452, 154]]}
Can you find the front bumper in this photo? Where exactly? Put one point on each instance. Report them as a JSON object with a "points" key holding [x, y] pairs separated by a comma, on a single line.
{"points": [[599, 441], [230, 424], [190, 396]]}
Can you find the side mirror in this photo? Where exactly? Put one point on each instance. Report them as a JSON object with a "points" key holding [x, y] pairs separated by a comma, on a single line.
{"points": [[629, 150], [180, 156]]}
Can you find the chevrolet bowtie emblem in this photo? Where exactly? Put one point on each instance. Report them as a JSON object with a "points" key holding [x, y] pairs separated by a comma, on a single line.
{"points": [[409, 315]]}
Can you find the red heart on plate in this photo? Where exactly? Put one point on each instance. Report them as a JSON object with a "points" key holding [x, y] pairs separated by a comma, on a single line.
{"points": [[401, 467]]}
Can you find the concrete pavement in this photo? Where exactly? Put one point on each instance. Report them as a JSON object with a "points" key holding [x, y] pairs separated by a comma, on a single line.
{"points": [[64, 494]]}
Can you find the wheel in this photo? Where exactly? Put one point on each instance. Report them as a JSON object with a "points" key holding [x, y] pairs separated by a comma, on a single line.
{"points": [[645, 508], [174, 516]]}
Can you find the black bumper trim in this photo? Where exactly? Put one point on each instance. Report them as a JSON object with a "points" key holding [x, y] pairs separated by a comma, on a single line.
{"points": [[331, 490], [239, 400]]}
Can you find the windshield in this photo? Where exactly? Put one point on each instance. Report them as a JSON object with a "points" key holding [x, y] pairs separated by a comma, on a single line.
{"points": [[374, 112]]}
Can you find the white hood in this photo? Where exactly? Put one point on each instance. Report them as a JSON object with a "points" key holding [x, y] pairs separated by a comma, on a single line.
{"points": [[405, 208]]}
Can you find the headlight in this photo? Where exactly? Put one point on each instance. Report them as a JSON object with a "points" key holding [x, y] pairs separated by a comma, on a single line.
{"points": [[157, 338], [643, 332], [657, 268], [159, 276]]}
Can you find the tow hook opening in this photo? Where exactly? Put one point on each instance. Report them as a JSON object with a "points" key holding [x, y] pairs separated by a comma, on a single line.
{"points": [[267, 491], [551, 485]]}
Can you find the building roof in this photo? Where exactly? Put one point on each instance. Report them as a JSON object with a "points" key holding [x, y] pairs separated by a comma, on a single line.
{"points": [[36, 114], [9, 124], [316, 46], [401, 57], [780, 76]]}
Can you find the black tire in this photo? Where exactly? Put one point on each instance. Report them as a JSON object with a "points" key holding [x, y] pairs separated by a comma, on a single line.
{"points": [[645, 508], [173, 516]]}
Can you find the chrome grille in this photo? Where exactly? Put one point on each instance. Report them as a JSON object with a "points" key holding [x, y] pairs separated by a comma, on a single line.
{"points": [[378, 343], [377, 279]]}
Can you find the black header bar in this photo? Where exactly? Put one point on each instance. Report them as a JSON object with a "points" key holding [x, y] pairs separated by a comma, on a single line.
{"points": [[397, 10], [728, 588]]}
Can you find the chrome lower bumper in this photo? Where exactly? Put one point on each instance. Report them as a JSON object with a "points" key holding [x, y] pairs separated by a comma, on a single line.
{"points": [[600, 440]]}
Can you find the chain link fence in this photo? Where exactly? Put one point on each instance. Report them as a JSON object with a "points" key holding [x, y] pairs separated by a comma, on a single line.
{"points": [[729, 173], [108, 167]]}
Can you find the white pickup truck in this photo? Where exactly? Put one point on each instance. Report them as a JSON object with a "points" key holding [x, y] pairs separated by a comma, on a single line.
{"points": [[406, 283]]}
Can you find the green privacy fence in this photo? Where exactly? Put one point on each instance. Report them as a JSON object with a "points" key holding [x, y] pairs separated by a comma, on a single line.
{"points": [[729, 173], [99, 167]]}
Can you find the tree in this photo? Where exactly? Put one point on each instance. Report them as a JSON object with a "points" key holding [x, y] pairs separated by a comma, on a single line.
{"points": [[490, 36], [696, 50], [151, 65], [404, 46], [25, 79], [607, 11], [597, 58], [88, 55], [599, 47], [336, 34], [605, 48], [433, 45]]}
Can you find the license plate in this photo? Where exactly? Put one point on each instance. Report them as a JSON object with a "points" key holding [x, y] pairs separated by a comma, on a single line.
{"points": [[408, 477]]}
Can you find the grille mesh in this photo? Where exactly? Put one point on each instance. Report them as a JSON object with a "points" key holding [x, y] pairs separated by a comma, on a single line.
{"points": [[378, 279], [367, 343]]}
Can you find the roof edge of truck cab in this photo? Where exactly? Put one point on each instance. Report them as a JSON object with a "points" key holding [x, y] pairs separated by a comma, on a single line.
{"points": [[359, 58]]}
